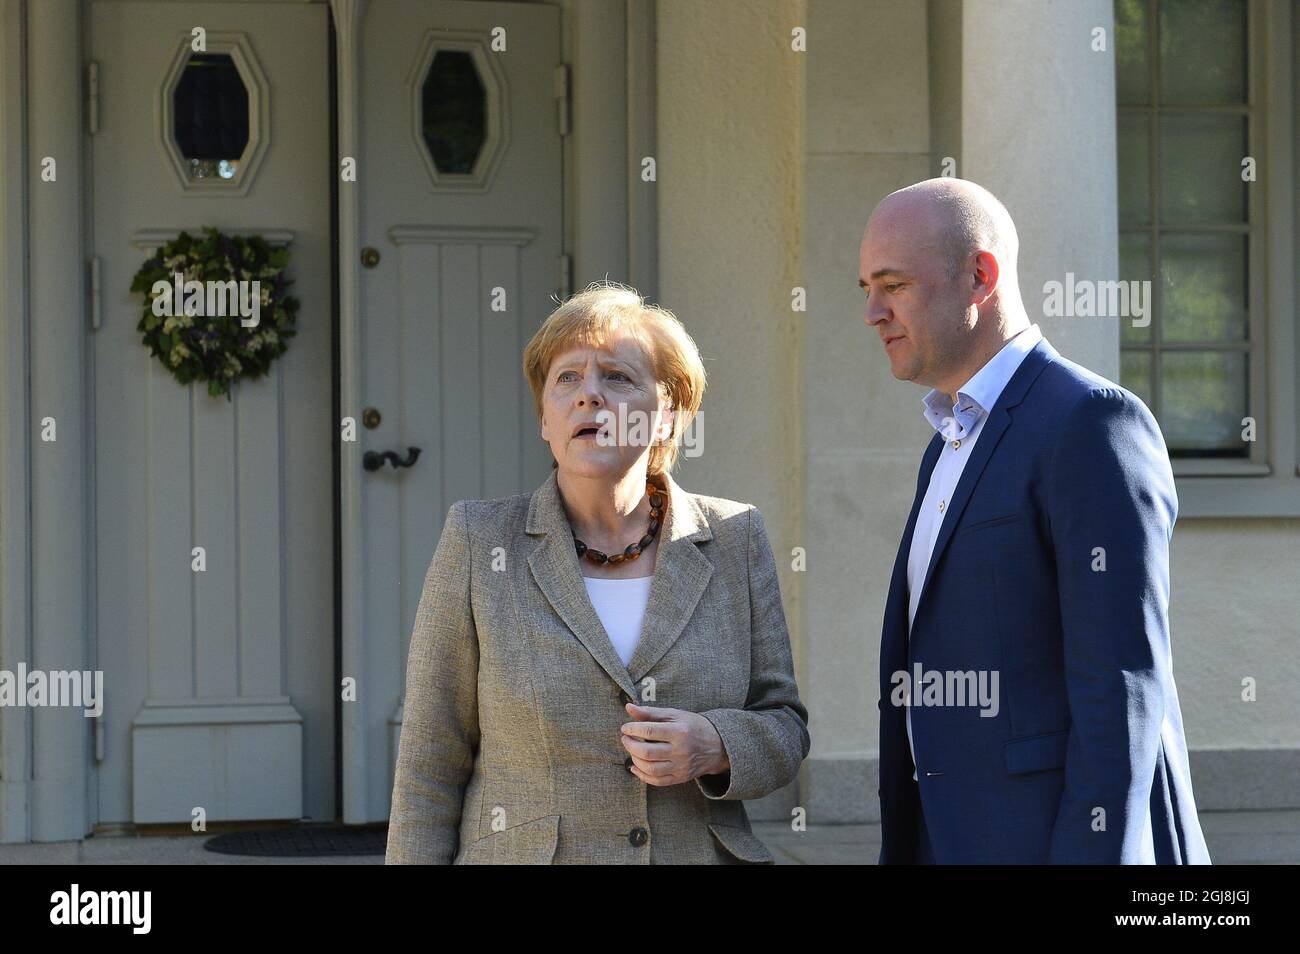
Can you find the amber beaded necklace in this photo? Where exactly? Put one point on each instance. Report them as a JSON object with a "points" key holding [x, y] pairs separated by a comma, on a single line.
{"points": [[633, 550]]}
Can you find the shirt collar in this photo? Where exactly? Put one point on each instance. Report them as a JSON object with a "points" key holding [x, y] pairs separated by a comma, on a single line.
{"points": [[978, 395]]}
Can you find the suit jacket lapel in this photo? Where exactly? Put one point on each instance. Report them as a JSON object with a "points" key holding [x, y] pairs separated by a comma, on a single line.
{"points": [[896, 602], [554, 565], [681, 575], [999, 420]]}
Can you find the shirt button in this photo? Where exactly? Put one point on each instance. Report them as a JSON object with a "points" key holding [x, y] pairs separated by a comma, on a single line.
{"points": [[956, 444], [638, 837], [941, 506]]}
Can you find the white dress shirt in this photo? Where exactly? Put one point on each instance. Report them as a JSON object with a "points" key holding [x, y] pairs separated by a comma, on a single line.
{"points": [[960, 424], [620, 604]]}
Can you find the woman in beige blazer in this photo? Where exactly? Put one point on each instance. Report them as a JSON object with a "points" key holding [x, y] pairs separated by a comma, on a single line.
{"points": [[600, 671]]}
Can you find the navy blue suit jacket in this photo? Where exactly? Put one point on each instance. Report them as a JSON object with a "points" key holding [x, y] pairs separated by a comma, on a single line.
{"points": [[1085, 760]]}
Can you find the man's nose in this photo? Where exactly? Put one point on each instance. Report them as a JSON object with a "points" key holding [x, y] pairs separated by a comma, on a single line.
{"points": [[875, 314]]}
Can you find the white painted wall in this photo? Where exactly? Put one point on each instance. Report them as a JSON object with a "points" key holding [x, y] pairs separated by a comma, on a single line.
{"points": [[1235, 586], [730, 184], [868, 134]]}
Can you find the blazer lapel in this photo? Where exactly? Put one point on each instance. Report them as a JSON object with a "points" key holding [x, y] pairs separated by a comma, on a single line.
{"points": [[554, 565], [998, 421], [681, 575], [896, 601]]}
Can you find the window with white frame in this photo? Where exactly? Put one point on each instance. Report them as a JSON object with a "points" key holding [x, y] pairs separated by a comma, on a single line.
{"points": [[1190, 218]]}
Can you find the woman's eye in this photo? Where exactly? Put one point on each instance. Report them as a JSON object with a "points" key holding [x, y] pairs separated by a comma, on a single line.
{"points": [[572, 375]]}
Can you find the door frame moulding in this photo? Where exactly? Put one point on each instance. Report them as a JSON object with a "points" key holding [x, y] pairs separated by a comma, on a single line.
{"points": [[46, 487], [15, 432], [348, 16]]}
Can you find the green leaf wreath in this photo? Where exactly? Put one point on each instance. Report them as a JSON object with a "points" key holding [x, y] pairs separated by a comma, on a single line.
{"points": [[217, 349]]}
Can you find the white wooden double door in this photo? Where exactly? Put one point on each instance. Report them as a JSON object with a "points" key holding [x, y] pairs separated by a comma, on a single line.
{"points": [[223, 690]]}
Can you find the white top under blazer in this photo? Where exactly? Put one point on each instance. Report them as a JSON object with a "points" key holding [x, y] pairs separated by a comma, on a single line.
{"points": [[620, 604]]}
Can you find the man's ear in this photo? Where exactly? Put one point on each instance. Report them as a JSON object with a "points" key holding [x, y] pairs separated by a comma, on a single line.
{"points": [[985, 277]]}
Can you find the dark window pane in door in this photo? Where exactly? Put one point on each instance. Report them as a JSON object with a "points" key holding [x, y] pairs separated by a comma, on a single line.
{"points": [[211, 114], [454, 110]]}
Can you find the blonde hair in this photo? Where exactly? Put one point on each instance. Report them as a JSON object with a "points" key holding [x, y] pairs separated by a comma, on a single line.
{"points": [[593, 316]]}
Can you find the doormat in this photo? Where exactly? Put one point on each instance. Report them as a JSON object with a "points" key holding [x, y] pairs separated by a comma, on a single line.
{"points": [[302, 842]]}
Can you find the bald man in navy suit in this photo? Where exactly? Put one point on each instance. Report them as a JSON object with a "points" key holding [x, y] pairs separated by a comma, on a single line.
{"points": [[1028, 711]]}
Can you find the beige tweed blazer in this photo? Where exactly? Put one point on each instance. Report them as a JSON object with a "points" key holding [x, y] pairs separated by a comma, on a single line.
{"points": [[510, 750]]}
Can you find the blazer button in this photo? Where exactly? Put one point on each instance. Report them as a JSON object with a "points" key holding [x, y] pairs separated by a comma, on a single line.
{"points": [[624, 698], [638, 837], [627, 762]]}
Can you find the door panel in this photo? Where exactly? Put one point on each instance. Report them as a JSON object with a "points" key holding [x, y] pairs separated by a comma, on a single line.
{"points": [[219, 685], [439, 361]]}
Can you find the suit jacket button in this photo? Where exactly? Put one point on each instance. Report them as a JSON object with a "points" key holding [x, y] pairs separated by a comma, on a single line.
{"points": [[638, 837], [627, 762], [624, 698]]}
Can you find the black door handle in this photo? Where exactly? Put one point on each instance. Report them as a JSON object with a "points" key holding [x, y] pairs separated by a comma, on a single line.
{"points": [[373, 460]]}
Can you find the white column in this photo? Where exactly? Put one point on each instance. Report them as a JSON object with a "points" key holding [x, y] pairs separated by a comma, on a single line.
{"points": [[348, 16], [596, 154], [61, 566], [1038, 130], [15, 429]]}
